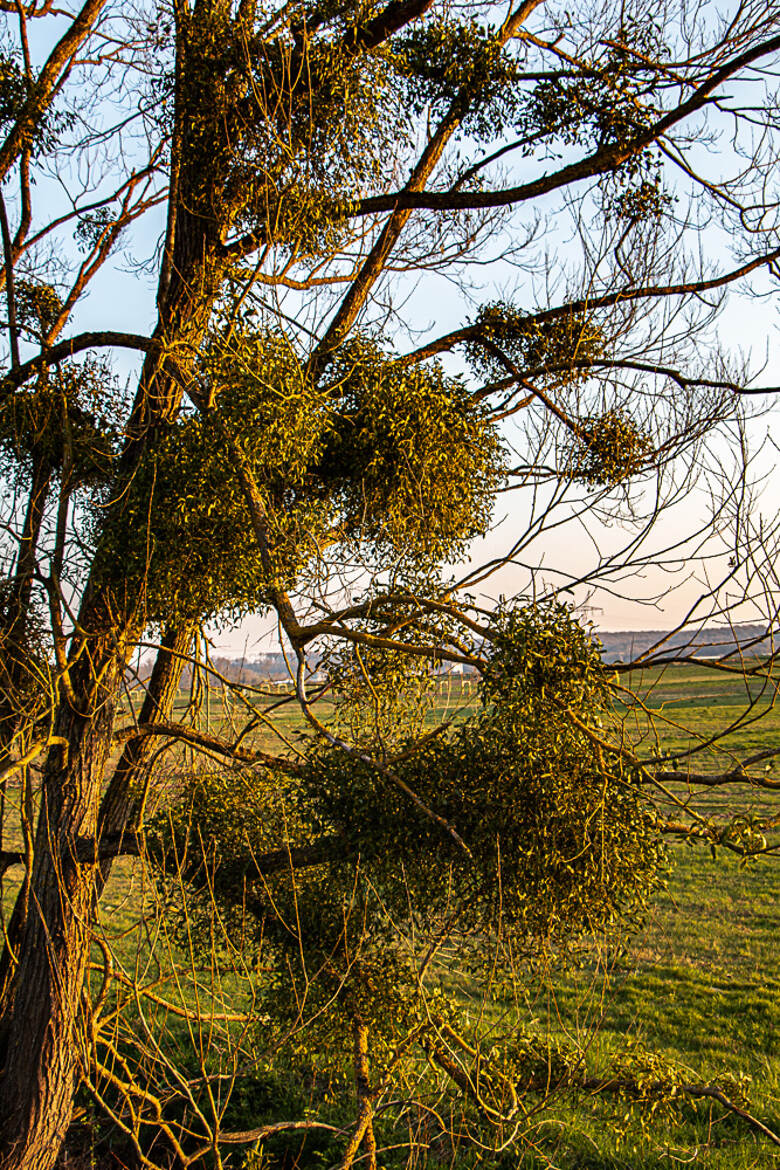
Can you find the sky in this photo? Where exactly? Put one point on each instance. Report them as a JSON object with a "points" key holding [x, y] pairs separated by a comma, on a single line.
{"points": [[122, 298]]}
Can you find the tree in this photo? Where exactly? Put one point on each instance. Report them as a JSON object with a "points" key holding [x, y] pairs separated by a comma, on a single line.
{"points": [[289, 449]]}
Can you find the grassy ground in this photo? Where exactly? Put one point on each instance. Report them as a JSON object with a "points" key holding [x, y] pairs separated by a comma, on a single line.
{"points": [[700, 985]]}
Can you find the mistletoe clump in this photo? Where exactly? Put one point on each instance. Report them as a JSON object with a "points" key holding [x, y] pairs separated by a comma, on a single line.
{"points": [[62, 423], [305, 161], [607, 104], [183, 531], [38, 307], [382, 693], [342, 873], [263, 397], [551, 833], [611, 449], [448, 63], [326, 925], [413, 461], [541, 654], [558, 347], [373, 454]]}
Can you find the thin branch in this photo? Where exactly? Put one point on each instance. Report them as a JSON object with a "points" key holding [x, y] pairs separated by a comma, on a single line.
{"points": [[602, 161], [69, 347], [211, 743], [10, 295], [244, 1137]]}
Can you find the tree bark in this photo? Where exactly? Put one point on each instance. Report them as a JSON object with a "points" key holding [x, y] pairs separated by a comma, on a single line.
{"points": [[126, 792], [41, 1057], [15, 665]]}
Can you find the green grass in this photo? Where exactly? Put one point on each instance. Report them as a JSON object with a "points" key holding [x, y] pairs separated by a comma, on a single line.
{"points": [[700, 984]]}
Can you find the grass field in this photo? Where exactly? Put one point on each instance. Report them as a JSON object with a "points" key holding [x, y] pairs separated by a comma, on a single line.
{"points": [[699, 984]]}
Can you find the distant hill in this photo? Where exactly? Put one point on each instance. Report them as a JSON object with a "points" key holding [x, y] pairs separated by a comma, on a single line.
{"points": [[709, 642], [617, 646], [263, 668]]}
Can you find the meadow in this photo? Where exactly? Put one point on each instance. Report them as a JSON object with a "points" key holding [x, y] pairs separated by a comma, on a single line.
{"points": [[698, 985]]}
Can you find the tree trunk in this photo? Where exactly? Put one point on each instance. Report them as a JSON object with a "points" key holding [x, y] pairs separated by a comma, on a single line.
{"points": [[41, 1042], [126, 792], [15, 664], [42, 1057]]}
